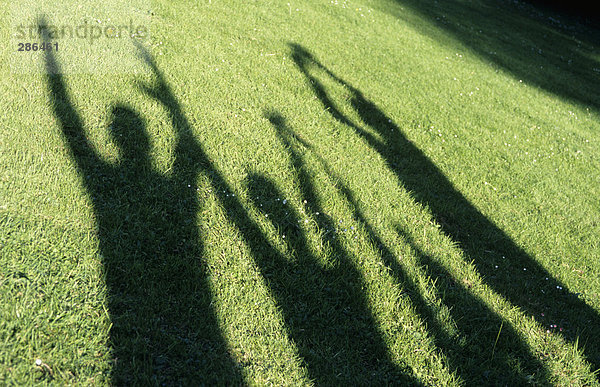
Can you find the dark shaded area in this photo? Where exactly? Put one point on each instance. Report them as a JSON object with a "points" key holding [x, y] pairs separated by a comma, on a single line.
{"points": [[333, 349], [164, 328], [473, 352], [324, 307], [544, 49], [581, 10], [519, 278]]}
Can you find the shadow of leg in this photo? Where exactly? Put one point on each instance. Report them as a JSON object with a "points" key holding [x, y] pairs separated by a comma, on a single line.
{"points": [[323, 303]]}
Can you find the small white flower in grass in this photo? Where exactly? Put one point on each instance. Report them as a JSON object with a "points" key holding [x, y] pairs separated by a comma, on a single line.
{"points": [[38, 362], [284, 201]]}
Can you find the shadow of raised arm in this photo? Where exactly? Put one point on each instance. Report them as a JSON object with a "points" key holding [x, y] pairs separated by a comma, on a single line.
{"points": [[187, 148], [69, 119], [480, 239]]}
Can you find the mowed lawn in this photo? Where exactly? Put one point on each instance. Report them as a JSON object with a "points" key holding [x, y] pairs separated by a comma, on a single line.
{"points": [[307, 192]]}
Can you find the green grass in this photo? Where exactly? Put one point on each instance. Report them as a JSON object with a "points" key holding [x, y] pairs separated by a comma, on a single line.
{"points": [[347, 192]]}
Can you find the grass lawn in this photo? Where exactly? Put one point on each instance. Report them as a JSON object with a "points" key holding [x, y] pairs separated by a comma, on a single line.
{"points": [[315, 192]]}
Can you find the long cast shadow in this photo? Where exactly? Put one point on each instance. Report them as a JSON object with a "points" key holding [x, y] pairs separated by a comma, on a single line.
{"points": [[324, 307], [482, 241], [164, 330], [467, 352], [323, 304], [336, 349], [541, 47]]}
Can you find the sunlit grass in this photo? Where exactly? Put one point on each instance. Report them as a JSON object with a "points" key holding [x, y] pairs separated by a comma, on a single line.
{"points": [[313, 242]]}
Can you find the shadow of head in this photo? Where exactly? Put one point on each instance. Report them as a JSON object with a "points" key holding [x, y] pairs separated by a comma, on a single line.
{"points": [[276, 119], [128, 131], [259, 186], [265, 195]]}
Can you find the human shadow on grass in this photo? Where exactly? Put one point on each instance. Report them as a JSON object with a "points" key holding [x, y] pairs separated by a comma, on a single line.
{"points": [[519, 278], [476, 353], [159, 300], [323, 303], [335, 348], [532, 43], [164, 330]]}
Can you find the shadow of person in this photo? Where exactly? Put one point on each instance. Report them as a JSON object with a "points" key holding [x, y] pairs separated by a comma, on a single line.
{"points": [[468, 350], [350, 362], [164, 329], [127, 131], [534, 290], [322, 302]]}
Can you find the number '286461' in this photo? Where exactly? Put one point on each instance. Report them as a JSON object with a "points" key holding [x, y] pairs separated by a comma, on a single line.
{"points": [[36, 46]]}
